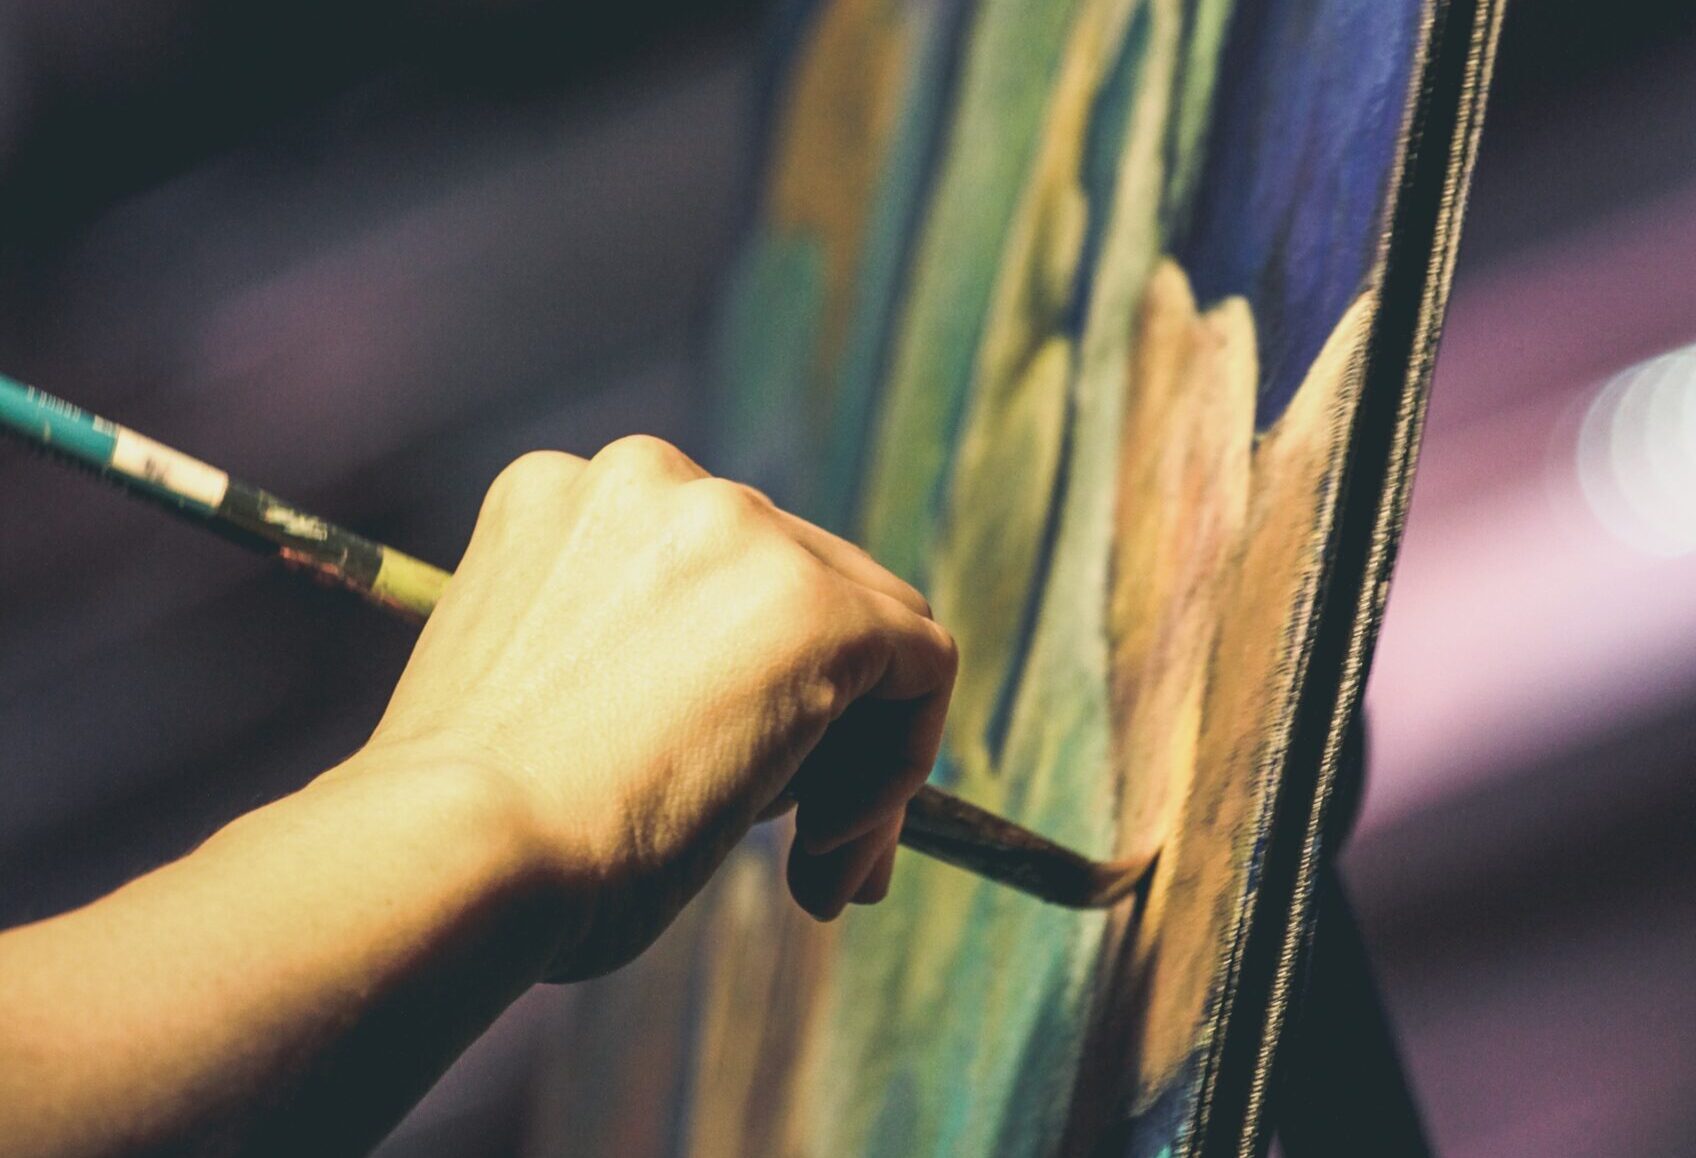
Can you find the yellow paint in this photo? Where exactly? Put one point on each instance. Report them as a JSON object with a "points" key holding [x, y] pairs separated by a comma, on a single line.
{"points": [[1182, 495], [1266, 605], [1006, 471], [841, 107]]}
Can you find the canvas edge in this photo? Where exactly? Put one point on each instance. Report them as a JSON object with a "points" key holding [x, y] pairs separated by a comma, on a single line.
{"points": [[1430, 199]]}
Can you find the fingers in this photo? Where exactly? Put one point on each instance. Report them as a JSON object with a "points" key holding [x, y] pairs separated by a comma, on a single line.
{"points": [[894, 666], [894, 735], [840, 555], [904, 667], [876, 885], [653, 459], [861, 775], [912, 656], [854, 787], [857, 871], [853, 563], [883, 748]]}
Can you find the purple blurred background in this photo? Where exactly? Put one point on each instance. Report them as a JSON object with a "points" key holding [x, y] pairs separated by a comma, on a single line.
{"points": [[365, 254]]}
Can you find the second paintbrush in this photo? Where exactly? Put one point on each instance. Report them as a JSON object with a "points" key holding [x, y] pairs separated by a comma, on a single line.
{"points": [[937, 824]]}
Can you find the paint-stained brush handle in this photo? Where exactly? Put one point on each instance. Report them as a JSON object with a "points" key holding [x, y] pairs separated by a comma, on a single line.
{"points": [[949, 829], [199, 491], [937, 824]]}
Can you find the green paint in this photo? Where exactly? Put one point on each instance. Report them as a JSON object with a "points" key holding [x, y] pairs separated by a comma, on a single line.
{"points": [[762, 357], [971, 1001], [1012, 53], [991, 397], [973, 430], [884, 264]]}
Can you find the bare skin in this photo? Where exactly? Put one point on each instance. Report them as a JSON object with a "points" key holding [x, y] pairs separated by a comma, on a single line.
{"points": [[633, 664]]}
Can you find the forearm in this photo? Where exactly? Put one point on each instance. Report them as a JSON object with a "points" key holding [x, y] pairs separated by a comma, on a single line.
{"points": [[293, 985], [650, 657]]}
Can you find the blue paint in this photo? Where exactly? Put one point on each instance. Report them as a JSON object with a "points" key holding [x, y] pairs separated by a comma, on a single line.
{"points": [[1099, 167], [1290, 204]]}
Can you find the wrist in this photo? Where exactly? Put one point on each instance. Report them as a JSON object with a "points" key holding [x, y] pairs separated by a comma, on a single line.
{"points": [[470, 804]]}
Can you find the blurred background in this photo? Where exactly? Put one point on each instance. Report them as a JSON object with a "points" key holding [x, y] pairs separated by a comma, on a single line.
{"points": [[365, 254]]}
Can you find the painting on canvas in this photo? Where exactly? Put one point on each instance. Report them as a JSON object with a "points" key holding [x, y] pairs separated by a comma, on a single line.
{"points": [[1074, 314]]}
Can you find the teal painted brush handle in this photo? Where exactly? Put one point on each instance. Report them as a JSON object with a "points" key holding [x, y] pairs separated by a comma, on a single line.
{"points": [[198, 490]]}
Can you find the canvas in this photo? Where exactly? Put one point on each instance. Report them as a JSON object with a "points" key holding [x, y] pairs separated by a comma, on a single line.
{"points": [[1106, 323]]}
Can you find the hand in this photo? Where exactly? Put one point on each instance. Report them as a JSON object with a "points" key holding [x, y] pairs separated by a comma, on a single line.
{"points": [[654, 659]]}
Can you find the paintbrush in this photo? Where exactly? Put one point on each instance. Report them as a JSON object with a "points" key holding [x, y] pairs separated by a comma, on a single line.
{"points": [[937, 824]]}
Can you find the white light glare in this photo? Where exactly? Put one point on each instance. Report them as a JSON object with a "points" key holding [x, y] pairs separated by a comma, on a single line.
{"points": [[1637, 454]]}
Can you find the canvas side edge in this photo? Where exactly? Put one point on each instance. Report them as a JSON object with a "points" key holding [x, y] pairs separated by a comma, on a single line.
{"points": [[1429, 203], [1386, 537]]}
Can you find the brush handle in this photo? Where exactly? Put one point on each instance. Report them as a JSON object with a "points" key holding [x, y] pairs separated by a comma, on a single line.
{"points": [[951, 830], [199, 491], [937, 824]]}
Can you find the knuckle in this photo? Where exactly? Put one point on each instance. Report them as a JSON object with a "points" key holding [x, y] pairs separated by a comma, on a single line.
{"points": [[717, 506], [898, 588], [638, 453], [948, 652], [538, 471], [796, 585], [755, 495], [919, 602]]}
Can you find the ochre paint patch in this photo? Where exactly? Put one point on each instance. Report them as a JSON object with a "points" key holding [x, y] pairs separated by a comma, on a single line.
{"points": [[1182, 496], [844, 99], [1195, 900]]}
